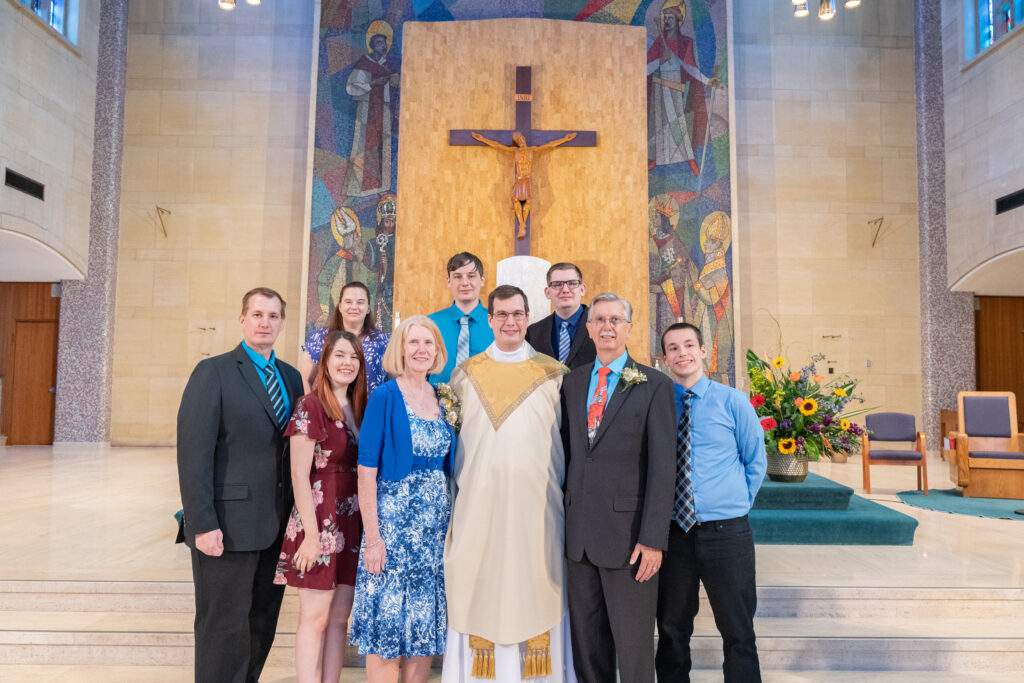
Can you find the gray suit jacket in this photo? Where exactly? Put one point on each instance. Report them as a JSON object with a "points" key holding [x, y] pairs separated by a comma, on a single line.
{"points": [[620, 490], [233, 467]]}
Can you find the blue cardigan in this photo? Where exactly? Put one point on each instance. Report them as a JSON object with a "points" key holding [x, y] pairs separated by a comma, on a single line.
{"points": [[385, 440]]}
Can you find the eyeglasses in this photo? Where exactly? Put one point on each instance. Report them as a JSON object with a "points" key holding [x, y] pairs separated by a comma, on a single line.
{"points": [[559, 284], [503, 316], [614, 321]]}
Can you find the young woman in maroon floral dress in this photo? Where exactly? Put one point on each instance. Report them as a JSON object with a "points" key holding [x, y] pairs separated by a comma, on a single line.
{"points": [[322, 564]]}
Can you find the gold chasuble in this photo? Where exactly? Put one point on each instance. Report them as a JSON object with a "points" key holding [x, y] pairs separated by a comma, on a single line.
{"points": [[504, 554]]}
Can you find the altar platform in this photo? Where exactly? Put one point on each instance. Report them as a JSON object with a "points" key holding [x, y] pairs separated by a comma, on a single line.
{"points": [[820, 511], [92, 587]]}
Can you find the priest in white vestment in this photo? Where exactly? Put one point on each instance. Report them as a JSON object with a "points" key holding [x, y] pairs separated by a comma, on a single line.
{"points": [[505, 552]]}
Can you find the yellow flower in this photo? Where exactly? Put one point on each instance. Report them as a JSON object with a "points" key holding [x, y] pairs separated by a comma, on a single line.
{"points": [[794, 376], [787, 446], [844, 424], [840, 392], [808, 406], [778, 362]]}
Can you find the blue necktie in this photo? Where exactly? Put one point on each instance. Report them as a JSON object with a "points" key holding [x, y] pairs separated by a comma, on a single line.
{"points": [[684, 512], [276, 398], [563, 341], [462, 353]]}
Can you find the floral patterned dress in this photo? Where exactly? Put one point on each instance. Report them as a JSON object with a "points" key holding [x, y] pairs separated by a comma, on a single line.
{"points": [[333, 479], [373, 350], [402, 611]]}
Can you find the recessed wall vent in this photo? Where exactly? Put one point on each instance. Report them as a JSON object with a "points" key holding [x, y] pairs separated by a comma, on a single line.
{"points": [[23, 184], [1010, 202]]}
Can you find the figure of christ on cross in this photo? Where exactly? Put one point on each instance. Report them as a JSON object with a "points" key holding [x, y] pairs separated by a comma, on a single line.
{"points": [[523, 155], [524, 142]]}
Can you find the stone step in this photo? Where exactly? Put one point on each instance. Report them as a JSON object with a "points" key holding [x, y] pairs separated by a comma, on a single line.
{"points": [[839, 602], [814, 493], [864, 522], [784, 644]]}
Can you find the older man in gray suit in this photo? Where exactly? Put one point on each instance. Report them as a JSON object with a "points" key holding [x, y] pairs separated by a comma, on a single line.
{"points": [[618, 428], [236, 492]]}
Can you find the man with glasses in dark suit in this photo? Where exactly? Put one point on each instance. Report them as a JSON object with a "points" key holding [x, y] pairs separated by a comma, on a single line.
{"points": [[563, 334], [233, 471]]}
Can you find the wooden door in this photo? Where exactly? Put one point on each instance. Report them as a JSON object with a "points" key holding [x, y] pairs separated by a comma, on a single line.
{"points": [[34, 379], [999, 330]]}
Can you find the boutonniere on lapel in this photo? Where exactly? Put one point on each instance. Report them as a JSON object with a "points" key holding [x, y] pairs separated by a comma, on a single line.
{"points": [[632, 376], [451, 406]]}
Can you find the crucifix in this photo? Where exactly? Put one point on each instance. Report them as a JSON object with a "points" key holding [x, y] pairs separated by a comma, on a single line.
{"points": [[524, 142]]}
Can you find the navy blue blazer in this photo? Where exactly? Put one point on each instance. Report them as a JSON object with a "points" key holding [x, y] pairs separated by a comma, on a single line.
{"points": [[385, 440]]}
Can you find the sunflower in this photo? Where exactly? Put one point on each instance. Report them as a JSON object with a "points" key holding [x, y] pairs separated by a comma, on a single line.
{"points": [[840, 392], [808, 406], [787, 446], [778, 362], [844, 424]]}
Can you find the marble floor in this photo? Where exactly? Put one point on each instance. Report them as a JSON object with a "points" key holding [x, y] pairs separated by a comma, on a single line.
{"points": [[106, 514]]}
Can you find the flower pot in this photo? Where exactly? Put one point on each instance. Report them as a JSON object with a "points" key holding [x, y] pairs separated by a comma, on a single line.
{"points": [[786, 468], [839, 456]]}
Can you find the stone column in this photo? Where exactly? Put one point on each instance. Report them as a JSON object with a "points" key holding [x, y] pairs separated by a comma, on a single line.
{"points": [[947, 318], [86, 336]]}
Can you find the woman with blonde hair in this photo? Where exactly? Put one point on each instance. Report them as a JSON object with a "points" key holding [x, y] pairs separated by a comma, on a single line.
{"points": [[405, 451]]}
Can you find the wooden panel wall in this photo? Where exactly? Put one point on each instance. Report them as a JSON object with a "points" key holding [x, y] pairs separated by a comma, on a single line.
{"points": [[590, 204], [19, 301], [999, 345]]}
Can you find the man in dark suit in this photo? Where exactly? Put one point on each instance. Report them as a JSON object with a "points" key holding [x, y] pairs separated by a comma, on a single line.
{"points": [[563, 335], [233, 471], [618, 430]]}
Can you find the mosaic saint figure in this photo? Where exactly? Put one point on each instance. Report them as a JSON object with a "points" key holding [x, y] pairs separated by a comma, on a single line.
{"points": [[670, 274], [373, 84], [346, 264], [383, 253], [713, 291], [676, 100], [523, 154]]}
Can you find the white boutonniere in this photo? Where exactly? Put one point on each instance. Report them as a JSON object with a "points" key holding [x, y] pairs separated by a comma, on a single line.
{"points": [[633, 376], [451, 406]]}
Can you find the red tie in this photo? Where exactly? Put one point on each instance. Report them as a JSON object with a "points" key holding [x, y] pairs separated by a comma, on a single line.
{"points": [[596, 409]]}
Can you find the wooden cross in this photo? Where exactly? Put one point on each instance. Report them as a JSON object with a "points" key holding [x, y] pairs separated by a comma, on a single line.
{"points": [[534, 138]]}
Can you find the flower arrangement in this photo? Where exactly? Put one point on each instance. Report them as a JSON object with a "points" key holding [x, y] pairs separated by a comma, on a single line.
{"points": [[802, 414], [451, 406]]}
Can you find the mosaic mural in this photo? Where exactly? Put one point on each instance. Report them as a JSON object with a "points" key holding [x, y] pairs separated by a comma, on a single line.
{"points": [[358, 96]]}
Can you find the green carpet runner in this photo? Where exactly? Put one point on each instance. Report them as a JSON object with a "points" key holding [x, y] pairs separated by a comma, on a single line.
{"points": [[819, 511]]}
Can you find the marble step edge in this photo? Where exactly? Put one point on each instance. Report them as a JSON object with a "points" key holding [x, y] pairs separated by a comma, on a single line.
{"points": [[794, 654], [763, 591], [773, 601]]}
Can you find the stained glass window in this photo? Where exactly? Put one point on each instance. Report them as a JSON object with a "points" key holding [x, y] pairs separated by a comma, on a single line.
{"points": [[987, 21], [57, 14]]}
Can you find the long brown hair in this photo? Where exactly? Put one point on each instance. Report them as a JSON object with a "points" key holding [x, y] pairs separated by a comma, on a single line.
{"points": [[369, 324], [356, 391]]}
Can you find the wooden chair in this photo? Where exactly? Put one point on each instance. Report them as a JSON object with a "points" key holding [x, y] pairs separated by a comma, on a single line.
{"points": [[989, 456], [895, 427]]}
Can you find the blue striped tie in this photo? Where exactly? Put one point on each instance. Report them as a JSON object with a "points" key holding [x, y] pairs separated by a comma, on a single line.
{"points": [[276, 398], [684, 512], [462, 353], [563, 341]]}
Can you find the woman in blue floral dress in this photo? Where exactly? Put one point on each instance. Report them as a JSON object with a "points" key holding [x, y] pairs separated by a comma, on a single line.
{"points": [[352, 314], [399, 620]]}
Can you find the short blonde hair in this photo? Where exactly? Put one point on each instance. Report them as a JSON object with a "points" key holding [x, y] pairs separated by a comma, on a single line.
{"points": [[394, 356]]}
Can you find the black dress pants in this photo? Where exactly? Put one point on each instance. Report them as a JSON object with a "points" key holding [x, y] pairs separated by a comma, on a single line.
{"points": [[721, 555], [237, 605], [611, 618]]}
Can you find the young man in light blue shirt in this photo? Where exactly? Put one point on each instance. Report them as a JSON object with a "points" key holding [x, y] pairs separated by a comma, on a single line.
{"points": [[720, 464], [464, 325]]}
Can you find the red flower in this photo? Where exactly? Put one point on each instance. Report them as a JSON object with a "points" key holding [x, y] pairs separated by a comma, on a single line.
{"points": [[768, 424], [757, 400]]}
